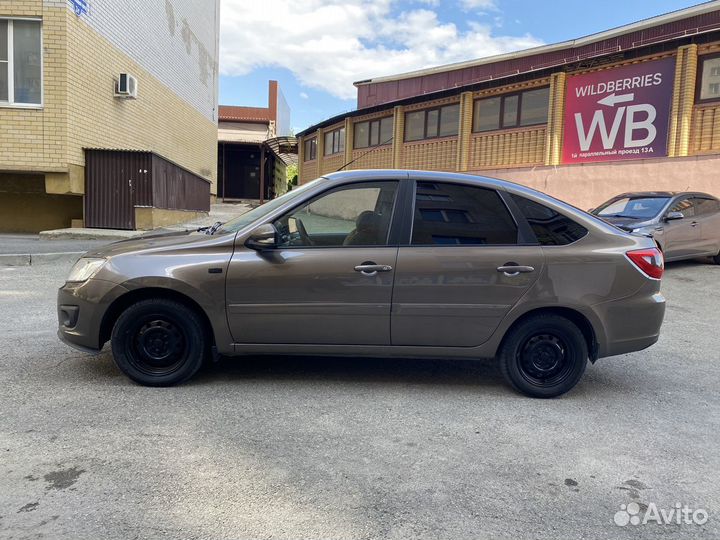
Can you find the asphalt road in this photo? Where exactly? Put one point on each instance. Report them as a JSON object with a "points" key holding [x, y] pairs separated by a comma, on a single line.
{"points": [[351, 448]]}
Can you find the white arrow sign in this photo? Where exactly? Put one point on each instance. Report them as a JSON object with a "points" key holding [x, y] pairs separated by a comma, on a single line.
{"points": [[612, 99]]}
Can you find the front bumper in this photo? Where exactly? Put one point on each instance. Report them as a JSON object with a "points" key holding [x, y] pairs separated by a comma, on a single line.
{"points": [[81, 308]]}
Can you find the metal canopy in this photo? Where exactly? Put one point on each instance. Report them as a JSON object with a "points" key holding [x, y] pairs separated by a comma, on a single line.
{"points": [[285, 148]]}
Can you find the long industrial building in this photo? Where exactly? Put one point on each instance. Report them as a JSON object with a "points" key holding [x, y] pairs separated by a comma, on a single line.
{"points": [[631, 108]]}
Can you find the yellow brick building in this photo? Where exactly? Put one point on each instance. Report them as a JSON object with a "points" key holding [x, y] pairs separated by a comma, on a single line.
{"points": [[632, 108], [60, 65]]}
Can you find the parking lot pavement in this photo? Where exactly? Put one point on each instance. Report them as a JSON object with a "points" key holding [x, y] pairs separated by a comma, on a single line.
{"points": [[352, 448]]}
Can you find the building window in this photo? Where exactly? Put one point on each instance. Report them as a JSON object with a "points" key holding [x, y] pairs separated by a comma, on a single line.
{"points": [[373, 133], [310, 150], [20, 62], [334, 142], [709, 79], [528, 108], [432, 123]]}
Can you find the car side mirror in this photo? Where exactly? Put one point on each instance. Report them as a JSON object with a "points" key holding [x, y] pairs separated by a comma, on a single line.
{"points": [[672, 216], [264, 237]]}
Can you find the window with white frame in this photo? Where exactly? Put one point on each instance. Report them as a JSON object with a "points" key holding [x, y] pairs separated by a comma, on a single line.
{"points": [[20, 62], [709, 78]]}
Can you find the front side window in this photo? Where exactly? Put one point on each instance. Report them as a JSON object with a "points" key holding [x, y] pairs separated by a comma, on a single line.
{"points": [[356, 215], [550, 227], [20, 62], [334, 142], [432, 123], [310, 149], [373, 133], [456, 214], [686, 206], [709, 79], [526, 108]]}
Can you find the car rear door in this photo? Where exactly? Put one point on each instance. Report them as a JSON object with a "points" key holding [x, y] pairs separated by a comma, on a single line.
{"points": [[682, 236], [330, 279], [462, 269]]}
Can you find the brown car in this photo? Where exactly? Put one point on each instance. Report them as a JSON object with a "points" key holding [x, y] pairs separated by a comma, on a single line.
{"points": [[376, 263]]}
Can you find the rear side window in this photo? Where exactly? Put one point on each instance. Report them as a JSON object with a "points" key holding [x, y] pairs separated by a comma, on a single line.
{"points": [[550, 227], [455, 214]]}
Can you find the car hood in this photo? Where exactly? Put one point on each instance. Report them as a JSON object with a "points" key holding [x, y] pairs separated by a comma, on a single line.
{"points": [[625, 223], [155, 240]]}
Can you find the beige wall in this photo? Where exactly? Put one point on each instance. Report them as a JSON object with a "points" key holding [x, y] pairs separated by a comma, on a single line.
{"points": [[34, 139], [80, 111], [25, 207], [588, 185], [158, 120]]}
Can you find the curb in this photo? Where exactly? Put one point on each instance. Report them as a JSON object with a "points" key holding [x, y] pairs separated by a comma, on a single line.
{"points": [[38, 259]]}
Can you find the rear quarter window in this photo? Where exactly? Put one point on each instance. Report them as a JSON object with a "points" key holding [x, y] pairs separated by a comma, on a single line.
{"points": [[550, 227]]}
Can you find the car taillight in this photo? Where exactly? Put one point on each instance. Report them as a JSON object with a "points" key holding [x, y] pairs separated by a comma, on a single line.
{"points": [[649, 261]]}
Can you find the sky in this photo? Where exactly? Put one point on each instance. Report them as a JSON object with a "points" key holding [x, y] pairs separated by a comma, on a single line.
{"points": [[316, 49]]}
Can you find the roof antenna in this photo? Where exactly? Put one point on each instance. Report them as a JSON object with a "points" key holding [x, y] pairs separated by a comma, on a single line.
{"points": [[365, 154]]}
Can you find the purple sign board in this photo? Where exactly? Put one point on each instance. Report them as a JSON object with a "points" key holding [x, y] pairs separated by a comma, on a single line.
{"points": [[620, 113]]}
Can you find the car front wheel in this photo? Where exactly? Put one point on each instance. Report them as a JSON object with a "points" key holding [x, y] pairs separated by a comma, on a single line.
{"points": [[158, 342], [544, 356]]}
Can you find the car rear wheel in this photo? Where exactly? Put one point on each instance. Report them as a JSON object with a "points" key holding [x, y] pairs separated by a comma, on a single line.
{"points": [[716, 259], [544, 356], [158, 342]]}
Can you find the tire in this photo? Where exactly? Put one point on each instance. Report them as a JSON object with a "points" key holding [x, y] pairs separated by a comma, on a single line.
{"points": [[159, 342], [716, 259], [543, 356]]}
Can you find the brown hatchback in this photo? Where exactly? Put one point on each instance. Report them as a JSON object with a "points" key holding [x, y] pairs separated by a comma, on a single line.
{"points": [[376, 263]]}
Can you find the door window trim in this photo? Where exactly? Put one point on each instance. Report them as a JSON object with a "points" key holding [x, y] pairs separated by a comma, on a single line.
{"points": [[331, 189], [526, 236]]}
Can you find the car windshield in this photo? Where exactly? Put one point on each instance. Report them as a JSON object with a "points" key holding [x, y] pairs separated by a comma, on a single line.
{"points": [[234, 225], [632, 207]]}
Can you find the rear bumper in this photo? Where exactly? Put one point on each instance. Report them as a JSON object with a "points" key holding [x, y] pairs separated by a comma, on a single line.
{"points": [[631, 324], [81, 308]]}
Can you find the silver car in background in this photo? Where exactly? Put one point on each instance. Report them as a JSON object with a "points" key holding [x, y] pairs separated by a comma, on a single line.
{"points": [[684, 225]]}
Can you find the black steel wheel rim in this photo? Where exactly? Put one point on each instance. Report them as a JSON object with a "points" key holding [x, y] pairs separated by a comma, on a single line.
{"points": [[158, 345], [544, 359]]}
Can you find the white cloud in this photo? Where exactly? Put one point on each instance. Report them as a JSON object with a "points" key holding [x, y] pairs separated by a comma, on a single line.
{"points": [[328, 44], [487, 5], [304, 95]]}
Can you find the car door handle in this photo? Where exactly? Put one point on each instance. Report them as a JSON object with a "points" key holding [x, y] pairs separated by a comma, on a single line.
{"points": [[370, 269], [515, 269]]}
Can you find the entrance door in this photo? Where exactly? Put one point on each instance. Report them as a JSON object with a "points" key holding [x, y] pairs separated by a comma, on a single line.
{"points": [[112, 180], [328, 282], [457, 279]]}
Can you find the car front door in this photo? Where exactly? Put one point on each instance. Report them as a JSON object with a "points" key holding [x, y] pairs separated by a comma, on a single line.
{"points": [[708, 216], [463, 269], [682, 236], [330, 278]]}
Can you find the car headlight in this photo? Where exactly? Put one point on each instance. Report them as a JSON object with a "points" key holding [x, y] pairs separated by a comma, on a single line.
{"points": [[85, 268]]}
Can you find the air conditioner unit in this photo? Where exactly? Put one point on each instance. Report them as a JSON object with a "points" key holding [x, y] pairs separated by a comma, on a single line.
{"points": [[126, 86]]}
